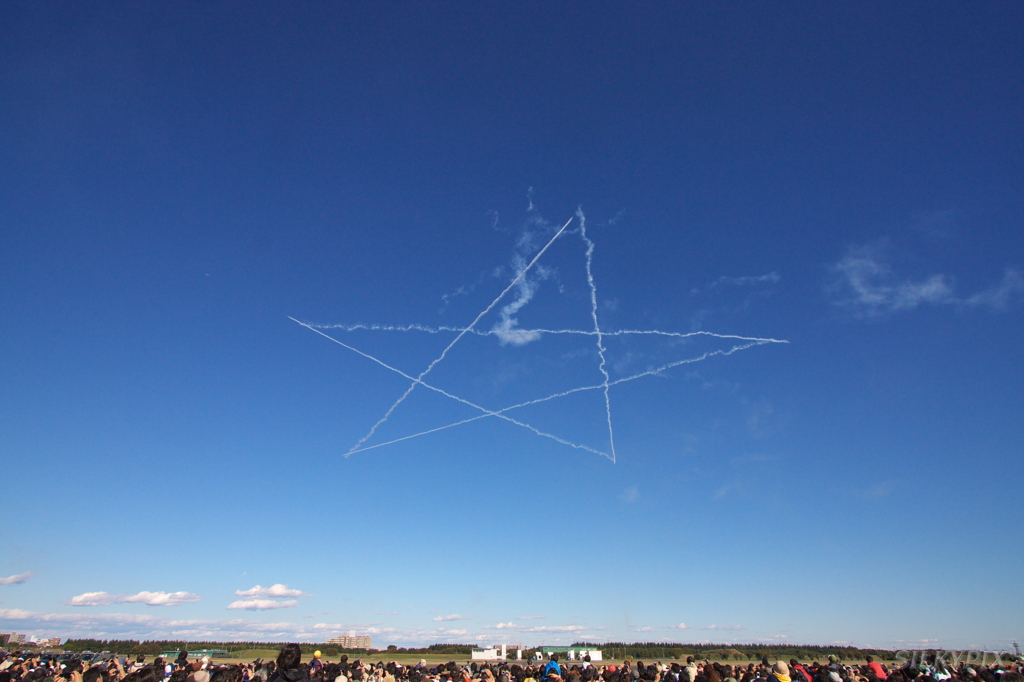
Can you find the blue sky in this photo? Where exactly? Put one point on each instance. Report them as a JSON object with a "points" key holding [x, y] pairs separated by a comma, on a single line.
{"points": [[180, 180]]}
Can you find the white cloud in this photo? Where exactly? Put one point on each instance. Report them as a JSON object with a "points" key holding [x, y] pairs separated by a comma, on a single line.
{"points": [[163, 598], [144, 597], [864, 282], [453, 616], [724, 627], [681, 626], [262, 604], [530, 617], [276, 591], [16, 579]]}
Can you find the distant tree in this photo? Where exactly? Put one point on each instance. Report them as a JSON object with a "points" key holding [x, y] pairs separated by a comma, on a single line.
{"points": [[148, 648]]}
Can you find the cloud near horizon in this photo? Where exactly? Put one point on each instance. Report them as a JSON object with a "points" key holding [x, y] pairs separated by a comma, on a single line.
{"points": [[16, 579], [262, 604], [539, 628], [275, 591], [453, 616], [144, 597]]}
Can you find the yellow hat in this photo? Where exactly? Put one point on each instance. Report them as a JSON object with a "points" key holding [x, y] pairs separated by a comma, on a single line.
{"points": [[316, 654]]}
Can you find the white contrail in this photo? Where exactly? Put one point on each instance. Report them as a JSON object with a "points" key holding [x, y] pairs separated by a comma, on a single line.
{"points": [[444, 353], [491, 332], [602, 365], [419, 381], [502, 332], [650, 372]]}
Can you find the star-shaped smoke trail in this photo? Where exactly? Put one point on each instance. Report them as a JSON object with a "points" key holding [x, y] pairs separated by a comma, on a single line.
{"points": [[506, 331]]}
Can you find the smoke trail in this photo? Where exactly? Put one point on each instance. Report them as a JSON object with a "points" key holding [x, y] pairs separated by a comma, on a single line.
{"points": [[491, 332], [602, 365], [571, 391], [444, 353], [507, 332], [419, 381]]}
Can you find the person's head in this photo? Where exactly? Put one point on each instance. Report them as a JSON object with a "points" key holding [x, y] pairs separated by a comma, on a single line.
{"points": [[150, 674], [230, 674], [869, 659], [94, 674], [290, 657], [781, 669], [554, 657]]}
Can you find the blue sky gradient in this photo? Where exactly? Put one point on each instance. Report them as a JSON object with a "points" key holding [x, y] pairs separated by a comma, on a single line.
{"points": [[180, 179]]}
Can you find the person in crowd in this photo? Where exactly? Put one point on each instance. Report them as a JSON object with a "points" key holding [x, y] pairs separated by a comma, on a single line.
{"points": [[289, 668]]}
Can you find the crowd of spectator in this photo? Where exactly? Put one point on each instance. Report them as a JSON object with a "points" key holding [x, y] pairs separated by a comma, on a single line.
{"points": [[289, 667]]}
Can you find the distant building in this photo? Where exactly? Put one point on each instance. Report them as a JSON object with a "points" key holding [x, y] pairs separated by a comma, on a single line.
{"points": [[490, 653], [572, 653], [15, 638], [52, 641], [352, 641], [5, 637]]}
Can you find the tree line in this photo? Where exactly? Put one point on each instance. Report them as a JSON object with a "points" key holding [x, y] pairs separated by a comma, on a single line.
{"points": [[731, 652], [612, 651]]}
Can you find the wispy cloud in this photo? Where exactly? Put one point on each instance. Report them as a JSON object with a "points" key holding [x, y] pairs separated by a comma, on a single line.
{"points": [[144, 597], [276, 591], [139, 626], [724, 490], [865, 283], [630, 494], [880, 489], [1000, 295], [144, 626], [770, 278], [262, 604], [530, 617], [535, 231], [16, 579], [451, 616], [731, 628], [518, 627]]}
